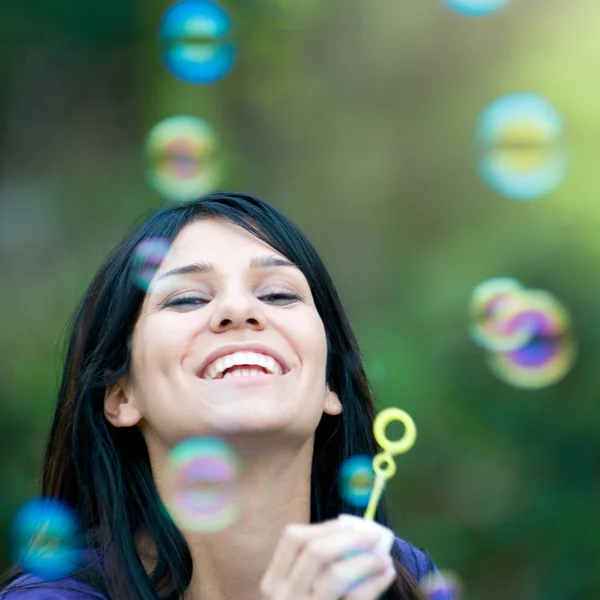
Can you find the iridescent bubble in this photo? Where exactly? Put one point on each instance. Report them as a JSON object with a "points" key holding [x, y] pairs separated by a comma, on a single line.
{"points": [[550, 353], [196, 35], [476, 8], [203, 494], [45, 539], [441, 585], [520, 138], [356, 480], [492, 302], [182, 158], [147, 258]]}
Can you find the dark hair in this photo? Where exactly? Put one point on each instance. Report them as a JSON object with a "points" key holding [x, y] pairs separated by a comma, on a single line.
{"points": [[104, 472]]}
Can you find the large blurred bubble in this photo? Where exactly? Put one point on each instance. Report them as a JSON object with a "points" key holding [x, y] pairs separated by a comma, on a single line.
{"points": [[46, 539], [202, 485], [476, 8], [182, 158], [356, 480], [550, 352], [490, 327], [147, 257], [527, 333], [520, 139], [196, 36]]}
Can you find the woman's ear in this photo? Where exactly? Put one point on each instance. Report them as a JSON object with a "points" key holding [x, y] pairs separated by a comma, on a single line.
{"points": [[332, 405], [119, 408]]}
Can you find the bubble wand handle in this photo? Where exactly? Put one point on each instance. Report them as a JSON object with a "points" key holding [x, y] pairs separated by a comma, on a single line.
{"points": [[384, 464], [378, 487]]}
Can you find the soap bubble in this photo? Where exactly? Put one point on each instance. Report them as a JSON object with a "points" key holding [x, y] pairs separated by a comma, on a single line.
{"points": [[476, 8], [196, 34], [520, 138], [147, 258], [202, 475], [491, 303], [356, 480], [550, 352], [441, 585], [45, 539], [182, 158], [527, 333]]}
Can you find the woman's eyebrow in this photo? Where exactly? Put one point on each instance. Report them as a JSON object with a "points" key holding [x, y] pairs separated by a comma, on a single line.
{"points": [[260, 262]]}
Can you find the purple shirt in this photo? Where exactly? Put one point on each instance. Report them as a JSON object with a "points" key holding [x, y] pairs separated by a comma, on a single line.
{"points": [[414, 560]]}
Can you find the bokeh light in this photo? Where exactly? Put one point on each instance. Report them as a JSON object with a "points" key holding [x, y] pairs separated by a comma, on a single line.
{"points": [[527, 333], [476, 8], [45, 539], [196, 36], [182, 158], [147, 257], [202, 473], [356, 480], [522, 153], [441, 585]]}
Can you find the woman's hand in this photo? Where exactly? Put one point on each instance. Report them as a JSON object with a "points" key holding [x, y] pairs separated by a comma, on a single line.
{"points": [[329, 561]]}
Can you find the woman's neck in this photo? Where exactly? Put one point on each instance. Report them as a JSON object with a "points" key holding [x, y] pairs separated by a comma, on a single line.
{"points": [[273, 491]]}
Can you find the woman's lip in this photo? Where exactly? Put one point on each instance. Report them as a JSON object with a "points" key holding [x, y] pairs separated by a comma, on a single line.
{"points": [[245, 379]]}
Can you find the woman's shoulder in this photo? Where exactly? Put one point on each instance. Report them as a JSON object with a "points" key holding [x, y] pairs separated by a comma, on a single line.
{"points": [[28, 587], [415, 560]]}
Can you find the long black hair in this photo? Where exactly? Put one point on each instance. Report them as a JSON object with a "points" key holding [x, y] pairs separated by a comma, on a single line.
{"points": [[104, 472]]}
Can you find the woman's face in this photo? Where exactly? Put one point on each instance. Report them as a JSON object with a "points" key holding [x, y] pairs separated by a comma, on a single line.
{"points": [[228, 341]]}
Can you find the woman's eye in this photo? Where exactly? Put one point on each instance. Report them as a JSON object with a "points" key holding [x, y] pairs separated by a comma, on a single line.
{"points": [[280, 297], [186, 300]]}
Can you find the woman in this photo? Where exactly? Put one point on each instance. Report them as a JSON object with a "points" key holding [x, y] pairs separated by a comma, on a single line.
{"points": [[140, 376]]}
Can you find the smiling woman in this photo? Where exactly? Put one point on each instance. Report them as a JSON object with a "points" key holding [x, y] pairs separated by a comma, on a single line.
{"points": [[240, 336]]}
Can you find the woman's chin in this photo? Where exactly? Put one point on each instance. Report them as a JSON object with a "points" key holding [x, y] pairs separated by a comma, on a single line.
{"points": [[252, 419]]}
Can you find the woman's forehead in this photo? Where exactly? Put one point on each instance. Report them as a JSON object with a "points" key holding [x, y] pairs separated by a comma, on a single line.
{"points": [[214, 241]]}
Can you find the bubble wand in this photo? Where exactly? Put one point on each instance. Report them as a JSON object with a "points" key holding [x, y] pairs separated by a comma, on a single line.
{"points": [[384, 464]]}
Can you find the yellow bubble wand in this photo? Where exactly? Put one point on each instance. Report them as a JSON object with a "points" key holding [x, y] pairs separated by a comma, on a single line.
{"points": [[384, 464]]}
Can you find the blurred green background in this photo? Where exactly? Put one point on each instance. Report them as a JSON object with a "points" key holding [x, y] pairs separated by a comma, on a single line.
{"points": [[356, 119]]}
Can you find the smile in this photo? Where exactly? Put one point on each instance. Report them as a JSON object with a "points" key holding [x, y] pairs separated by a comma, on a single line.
{"points": [[241, 365]]}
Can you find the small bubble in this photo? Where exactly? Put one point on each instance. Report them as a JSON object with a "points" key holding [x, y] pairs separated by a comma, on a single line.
{"points": [[476, 8], [527, 333], [491, 302], [441, 585], [196, 39], [181, 152], [147, 258], [549, 354], [520, 139], [356, 480], [45, 536], [203, 479]]}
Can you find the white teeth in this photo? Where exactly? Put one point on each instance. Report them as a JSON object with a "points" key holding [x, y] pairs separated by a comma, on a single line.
{"points": [[219, 365], [244, 373], [250, 360]]}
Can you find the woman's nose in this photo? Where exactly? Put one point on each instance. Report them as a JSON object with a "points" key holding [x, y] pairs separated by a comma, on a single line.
{"points": [[238, 312]]}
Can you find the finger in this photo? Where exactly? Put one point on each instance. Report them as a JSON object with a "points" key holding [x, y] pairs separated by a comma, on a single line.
{"points": [[373, 587], [319, 553], [387, 535], [345, 576], [291, 542]]}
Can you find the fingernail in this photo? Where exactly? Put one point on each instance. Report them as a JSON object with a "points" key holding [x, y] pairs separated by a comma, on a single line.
{"points": [[390, 571]]}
